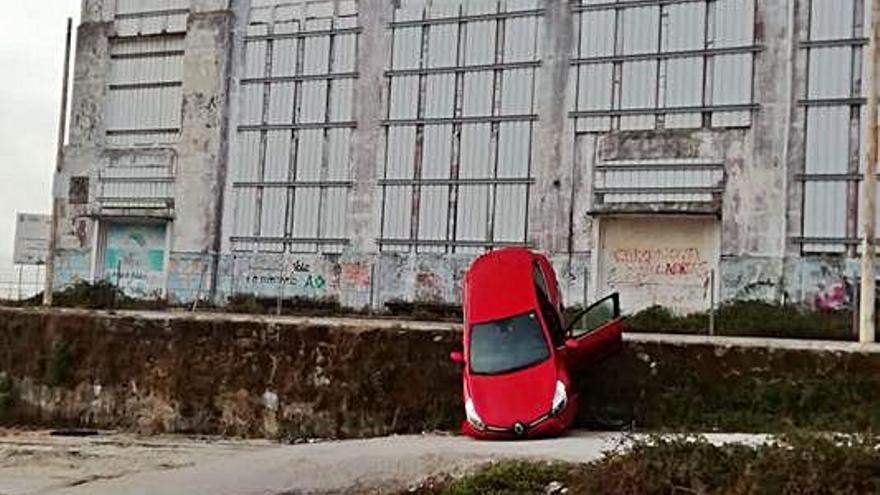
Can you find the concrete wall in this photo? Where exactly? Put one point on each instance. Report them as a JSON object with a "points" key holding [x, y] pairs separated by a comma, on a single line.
{"points": [[300, 378], [757, 147]]}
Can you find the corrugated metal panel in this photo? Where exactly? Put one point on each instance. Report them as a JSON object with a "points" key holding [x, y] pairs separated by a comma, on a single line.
{"points": [[150, 17], [147, 6], [478, 94], [641, 30], [247, 164], [831, 19], [401, 144], [830, 73], [404, 91], [597, 33], [639, 90], [476, 151], [437, 152], [595, 86], [684, 88], [684, 28], [683, 76], [734, 25], [145, 90], [827, 140], [519, 42], [476, 7], [434, 199], [440, 95], [513, 145], [141, 181], [732, 85], [643, 181], [442, 45], [825, 214]]}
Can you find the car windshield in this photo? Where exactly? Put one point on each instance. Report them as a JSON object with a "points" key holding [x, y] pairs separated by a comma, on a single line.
{"points": [[507, 345]]}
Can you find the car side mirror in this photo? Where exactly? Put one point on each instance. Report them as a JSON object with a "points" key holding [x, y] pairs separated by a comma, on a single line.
{"points": [[571, 345], [457, 357]]}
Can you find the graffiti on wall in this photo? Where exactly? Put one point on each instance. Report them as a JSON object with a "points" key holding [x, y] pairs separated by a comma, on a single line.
{"points": [[665, 262], [271, 276], [134, 258], [649, 263], [357, 275], [677, 278], [837, 296]]}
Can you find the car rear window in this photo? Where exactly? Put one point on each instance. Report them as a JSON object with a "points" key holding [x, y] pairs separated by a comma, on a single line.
{"points": [[507, 345]]}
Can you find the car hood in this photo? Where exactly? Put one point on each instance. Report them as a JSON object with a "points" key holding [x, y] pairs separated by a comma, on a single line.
{"points": [[521, 396]]}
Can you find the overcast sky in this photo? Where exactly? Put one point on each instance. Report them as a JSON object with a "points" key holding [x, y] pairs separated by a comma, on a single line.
{"points": [[31, 61]]}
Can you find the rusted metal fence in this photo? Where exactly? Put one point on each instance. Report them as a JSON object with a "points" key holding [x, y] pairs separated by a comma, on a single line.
{"points": [[21, 282]]}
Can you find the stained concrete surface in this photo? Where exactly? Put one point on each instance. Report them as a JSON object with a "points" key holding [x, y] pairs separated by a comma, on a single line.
{"points": [[34, 463]]}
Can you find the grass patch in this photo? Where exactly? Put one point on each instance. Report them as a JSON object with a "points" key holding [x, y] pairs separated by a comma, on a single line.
{"points": [[59, 365], [500, 478], [749, 319], [250, 304], [794, 464], [101, 295], [7, 394]]}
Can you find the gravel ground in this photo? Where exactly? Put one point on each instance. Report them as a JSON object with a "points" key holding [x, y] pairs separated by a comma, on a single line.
{"points": [[37, 463]]}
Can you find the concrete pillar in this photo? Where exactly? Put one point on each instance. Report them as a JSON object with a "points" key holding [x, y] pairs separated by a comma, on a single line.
{"points": [[202, 149], [91, 61], [371, 96], [553, 142], [86, 137], [754, 211]]}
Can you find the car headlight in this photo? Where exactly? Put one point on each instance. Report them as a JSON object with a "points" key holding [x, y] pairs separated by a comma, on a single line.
{"points": [[560, 399], [472, 416]]}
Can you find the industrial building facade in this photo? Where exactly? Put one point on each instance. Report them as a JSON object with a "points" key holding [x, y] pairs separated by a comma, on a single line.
{"points": [[366, 151]]}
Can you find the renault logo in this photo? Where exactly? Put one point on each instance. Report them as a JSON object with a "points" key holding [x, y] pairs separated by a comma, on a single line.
{"points": [[519, 429]]}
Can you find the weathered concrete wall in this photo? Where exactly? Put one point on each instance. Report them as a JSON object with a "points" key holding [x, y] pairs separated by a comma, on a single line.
{"points": [[368, 281], [237, 376], [760, 209], [297, 377]]}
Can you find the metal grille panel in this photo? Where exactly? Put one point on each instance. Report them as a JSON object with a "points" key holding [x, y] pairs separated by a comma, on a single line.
{"points": [[150, 17], [833, 107], [659, 64], [145, 90], [458, 153], [291, 173]]}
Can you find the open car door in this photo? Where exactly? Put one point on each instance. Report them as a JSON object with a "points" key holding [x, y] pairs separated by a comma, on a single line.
{"points": [[596, 332]]}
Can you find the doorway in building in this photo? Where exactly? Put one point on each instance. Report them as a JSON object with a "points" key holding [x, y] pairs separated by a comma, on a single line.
{"points": [[134, 258], [660, 261]]}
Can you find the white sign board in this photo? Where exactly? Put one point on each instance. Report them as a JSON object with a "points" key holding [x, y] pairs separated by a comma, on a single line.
{"points": [[32, 239]]}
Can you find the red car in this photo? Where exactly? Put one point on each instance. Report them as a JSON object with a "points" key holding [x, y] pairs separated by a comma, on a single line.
{"points": [[519, 359]]}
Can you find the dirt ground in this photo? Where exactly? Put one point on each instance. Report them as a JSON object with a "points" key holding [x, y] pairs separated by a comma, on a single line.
{"points": [[36, 462]]}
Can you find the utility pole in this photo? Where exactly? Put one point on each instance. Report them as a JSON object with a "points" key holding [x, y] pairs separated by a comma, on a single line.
{"points": [[867, 311], [59, 156]]}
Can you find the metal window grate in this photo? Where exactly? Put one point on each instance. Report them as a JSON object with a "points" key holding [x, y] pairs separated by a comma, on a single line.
{"points": [[290, 179], [457, 169], [145, 90], [653, 64], [832, 170]]}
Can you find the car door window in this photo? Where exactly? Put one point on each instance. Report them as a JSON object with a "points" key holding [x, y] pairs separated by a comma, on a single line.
{"points": [[596, 316], [549, 313]]}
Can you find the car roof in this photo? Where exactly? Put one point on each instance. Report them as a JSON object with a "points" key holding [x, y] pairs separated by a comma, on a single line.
{"points": [[499, 285]]}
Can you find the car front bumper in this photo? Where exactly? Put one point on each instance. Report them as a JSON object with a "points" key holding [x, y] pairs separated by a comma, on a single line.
{"points": [[546, 426]]}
